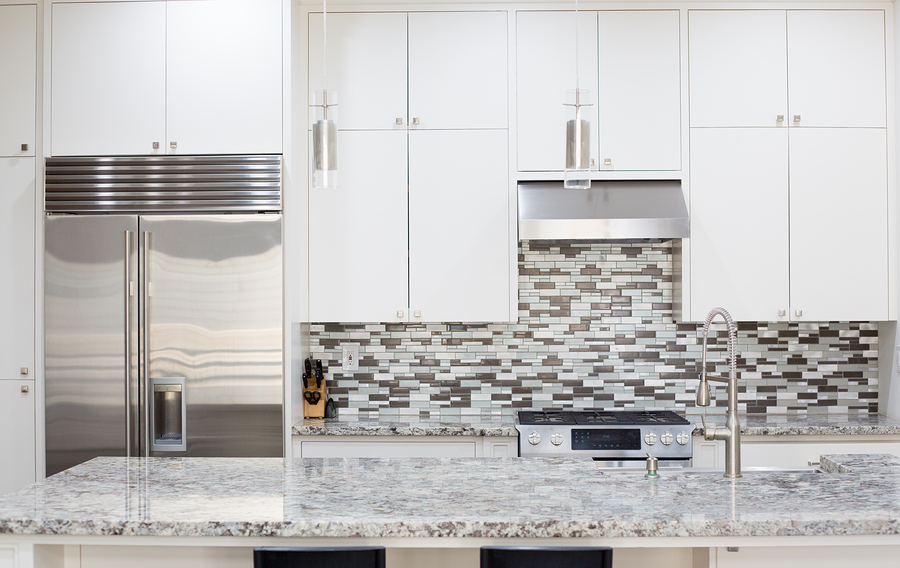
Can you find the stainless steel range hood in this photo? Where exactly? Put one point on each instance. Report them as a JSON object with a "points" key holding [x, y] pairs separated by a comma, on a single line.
{"points": [[609, 210]]}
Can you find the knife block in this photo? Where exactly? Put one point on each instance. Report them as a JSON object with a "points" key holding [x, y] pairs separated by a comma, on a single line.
{"points": [[316, 410]]}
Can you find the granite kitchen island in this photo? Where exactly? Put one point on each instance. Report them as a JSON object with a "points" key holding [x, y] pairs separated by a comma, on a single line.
{"points": [[211, 511]]}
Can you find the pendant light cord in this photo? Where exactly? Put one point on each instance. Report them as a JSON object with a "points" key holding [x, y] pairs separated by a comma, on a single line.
{"points": [[576, 49], [325, 46]]}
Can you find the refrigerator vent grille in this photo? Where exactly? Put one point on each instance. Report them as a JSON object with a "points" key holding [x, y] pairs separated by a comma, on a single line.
{"points": [[163, 184]]}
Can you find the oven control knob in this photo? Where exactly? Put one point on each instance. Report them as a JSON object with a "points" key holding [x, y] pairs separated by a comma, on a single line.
{"points": [[666, 438], [683, 438], [534, 438], [650, 439], [556, 438]]}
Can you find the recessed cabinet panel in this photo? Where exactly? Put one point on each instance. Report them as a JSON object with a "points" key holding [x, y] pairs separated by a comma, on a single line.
{"points": [[839, 219], [17, 276], [224, 77], [836, 65], [459, 226], [739, 222], [738, 67], [458, 70], [640, 90], [18, 69], [366, 66], [545, 70], [108, 78], [358, 233]]}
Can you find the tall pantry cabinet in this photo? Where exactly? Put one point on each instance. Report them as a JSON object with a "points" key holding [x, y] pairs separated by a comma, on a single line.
{"points": [[418, 229], [18, 69], [789, 195]]}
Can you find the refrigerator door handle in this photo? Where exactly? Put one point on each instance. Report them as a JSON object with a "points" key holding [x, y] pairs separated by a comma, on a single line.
{"points": [[145, 347], [129, 287]]}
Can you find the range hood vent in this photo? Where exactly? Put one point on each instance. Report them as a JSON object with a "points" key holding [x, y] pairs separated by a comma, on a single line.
{"points": [[609, 210]]}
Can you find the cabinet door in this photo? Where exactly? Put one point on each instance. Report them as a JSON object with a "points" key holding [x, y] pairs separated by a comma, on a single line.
{"points": [[739, 222], [17, 258], [545, 70], [640, 90], [738, 67], [358, 235], [108, 78], [366, 66], [458, 70], [17, 442], [836, 67], [224, 77], [839, 220], [459, 226], [18, 67]]}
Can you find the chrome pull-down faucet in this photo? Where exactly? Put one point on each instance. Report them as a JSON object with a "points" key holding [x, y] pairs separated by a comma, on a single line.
{"points": [[731, 433]]}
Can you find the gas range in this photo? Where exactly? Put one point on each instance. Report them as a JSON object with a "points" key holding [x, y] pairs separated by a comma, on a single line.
{"points": [[606, 435]]}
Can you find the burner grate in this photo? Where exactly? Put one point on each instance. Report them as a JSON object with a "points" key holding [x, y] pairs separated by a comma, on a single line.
{"points": [[600, 417]]}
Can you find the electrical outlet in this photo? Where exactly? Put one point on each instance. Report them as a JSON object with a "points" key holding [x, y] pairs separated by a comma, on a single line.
{"points": [[350, 358]]}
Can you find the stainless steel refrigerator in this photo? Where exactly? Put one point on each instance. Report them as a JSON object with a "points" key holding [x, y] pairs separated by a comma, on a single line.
{"points": [[163, 330]]}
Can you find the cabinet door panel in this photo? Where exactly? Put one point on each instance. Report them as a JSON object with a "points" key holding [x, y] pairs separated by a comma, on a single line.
{"points": [[640, 90], [839, 219], [17, 276], [224, 77], [836, 67], [108, 78], [358, 233], [739, 222], [738, 67], [459, 226], [366, 66], [458, 69], [545, 70], [17, 442], [18, 67]]}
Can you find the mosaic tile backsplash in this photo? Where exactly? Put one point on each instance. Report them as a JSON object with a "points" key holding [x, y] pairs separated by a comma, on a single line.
{"points": [[596, 330]]}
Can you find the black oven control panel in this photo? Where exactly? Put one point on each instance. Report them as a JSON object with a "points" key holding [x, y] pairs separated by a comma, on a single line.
{"points": [[606, 439]]}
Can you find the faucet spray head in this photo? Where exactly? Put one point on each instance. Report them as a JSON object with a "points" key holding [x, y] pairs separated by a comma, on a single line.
{"points": [[703, 396]]}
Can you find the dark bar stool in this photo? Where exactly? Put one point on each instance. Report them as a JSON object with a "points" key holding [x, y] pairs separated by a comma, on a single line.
{"points": [[546, 557], [347, 557]]}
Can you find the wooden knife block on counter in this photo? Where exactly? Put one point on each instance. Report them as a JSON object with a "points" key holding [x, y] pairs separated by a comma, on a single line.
{"points": [[315, 410]]}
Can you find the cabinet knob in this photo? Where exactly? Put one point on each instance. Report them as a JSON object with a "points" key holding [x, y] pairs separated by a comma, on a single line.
{"points": [[23, 371], [593, 163], [173, 145], [24, 147], [24, 389], [796, 118], [779, 118], [417, 314], [607, 161], [156, 145], [798, 313], [399, 122], [399, 314], [781, 313], [416, 121]]}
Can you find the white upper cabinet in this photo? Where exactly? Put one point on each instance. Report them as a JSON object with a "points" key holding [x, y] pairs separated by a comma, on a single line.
{"points": [[224, 77], [545, 70], [458, 70], [629, 60], [640, 90], [366, 66], [459, 252], [108, 78], [18, 65], [738, 67], [836, 68], [198, 77], [358, 234], [839, 221]]}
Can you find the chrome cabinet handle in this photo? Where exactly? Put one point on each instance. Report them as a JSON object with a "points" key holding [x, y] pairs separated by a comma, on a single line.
{"points": [[399, 314], [23, 371], [173, 145], [798, 313], [796, 118], [24, 147], [781, 313], [416, 121], [417, 314], [399, 122], [156, 145], [779, 118]]}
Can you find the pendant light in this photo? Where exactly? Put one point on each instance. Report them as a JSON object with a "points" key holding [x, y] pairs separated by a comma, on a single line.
{"points": [[323, 117], [578, 130]]}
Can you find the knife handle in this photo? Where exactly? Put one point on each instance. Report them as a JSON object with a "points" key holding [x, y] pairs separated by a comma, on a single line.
{"points": [[319, 374]]}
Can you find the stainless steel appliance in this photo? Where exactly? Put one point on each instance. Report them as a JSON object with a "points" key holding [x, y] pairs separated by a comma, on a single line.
{"points": [[613, 437], [163, 307]]}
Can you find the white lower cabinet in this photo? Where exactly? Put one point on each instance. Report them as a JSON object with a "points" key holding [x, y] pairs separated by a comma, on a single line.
{"points": [[17, 444], [804, 557], [404, 447], [792, 451]]}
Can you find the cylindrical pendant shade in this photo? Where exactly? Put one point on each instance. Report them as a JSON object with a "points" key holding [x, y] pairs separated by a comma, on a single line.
{"points": [[578, 139], [323, 116]]}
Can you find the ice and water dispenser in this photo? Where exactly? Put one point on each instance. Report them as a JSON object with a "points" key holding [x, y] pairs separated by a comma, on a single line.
{"points": [[168, 416]]}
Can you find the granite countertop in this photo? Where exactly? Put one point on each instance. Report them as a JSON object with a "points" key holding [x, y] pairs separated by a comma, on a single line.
{"points": [[504, 425], [466, 497]]}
